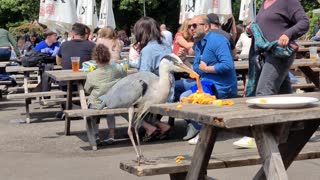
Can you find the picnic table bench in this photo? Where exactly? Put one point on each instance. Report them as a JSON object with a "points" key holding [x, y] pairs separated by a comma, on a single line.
{"points": [[280, 134], [178, 171]]}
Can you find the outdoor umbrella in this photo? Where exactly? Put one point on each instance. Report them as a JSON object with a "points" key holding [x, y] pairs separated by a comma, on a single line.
{"points": [[220, 7], [247, 11], [87, 13], [186, 10], [58, 15], [106, 17]]}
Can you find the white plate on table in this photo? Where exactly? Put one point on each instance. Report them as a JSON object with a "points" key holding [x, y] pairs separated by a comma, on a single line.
{"points": [[282, 102]]}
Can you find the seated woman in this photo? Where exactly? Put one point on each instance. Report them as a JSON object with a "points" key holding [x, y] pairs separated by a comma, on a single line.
{"points": [[99, 82], [183, 40], [108, 37], [152, 49]]}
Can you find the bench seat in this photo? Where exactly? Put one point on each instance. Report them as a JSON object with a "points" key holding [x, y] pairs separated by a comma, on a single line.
{"points": [[35, 94], [89, 113], [28, 96], [167, 165]]}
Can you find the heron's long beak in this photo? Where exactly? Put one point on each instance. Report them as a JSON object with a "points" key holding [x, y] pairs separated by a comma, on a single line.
{"points": [[185, 68]]}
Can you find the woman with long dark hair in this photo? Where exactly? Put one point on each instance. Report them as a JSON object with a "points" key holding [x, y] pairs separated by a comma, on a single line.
{"points": [[152, 49]]}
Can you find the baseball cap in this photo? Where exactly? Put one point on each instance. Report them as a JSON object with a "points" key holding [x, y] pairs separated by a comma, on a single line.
{"points": [[48, 33], [213, 18]]}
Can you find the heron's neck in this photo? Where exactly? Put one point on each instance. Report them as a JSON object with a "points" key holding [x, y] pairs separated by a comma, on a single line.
{"points": [[164, 77]]}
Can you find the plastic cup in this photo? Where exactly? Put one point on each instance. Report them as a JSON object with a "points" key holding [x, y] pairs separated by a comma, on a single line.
{"points": [[75, 64], [313, 54]]}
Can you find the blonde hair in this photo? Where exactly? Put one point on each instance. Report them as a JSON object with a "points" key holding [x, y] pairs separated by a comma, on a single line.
{"points": [[108, 33], [185, 31]]}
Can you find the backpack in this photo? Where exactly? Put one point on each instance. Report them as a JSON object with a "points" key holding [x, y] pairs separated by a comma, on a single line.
{"points": [[33, 59]]}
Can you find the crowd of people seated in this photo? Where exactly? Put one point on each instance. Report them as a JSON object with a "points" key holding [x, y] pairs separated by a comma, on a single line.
{"points": [[201, 37]]}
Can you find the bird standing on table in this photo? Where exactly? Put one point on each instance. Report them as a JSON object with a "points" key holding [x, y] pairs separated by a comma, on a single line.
{"points": [[141, 90]]}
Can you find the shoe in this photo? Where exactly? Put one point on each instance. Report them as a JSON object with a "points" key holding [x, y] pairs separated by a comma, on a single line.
{"points": [[60, 115], [165, 134], [109, 141], [246, 142], [98, 140], [194, 140], [191, 132]]}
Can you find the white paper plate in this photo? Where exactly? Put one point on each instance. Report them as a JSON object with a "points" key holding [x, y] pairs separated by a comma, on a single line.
{"points": [[282, 102]]}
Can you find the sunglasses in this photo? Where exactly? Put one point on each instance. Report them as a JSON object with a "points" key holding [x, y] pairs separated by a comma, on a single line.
{"points": [[195, 25]]}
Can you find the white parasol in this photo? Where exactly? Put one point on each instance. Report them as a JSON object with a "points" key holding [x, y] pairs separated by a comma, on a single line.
{"points": [[87, 13], [220, 7], [106, 17], [186, 10], [58, 15], [247, 11]]}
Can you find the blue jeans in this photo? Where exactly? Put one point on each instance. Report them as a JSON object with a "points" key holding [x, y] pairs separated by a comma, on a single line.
{"points": [[274, 78], [5, 54], [181, 87]]}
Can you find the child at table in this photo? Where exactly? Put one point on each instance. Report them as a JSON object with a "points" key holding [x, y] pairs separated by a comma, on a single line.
{"points": [[98, 82]]}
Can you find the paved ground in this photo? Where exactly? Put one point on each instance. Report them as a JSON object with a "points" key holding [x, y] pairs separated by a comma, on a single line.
{"points": [[40, 151]]}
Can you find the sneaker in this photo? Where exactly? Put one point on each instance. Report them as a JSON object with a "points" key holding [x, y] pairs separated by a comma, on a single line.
{"points": [[98, 140], [191, 132], [60, 115], [246, 142], [194, 140], [109, 140]]}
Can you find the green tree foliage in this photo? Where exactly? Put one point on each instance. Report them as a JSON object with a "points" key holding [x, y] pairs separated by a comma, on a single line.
{"points": [[14, 11]]}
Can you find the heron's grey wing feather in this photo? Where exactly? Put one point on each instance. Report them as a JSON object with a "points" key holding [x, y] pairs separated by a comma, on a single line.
{"points": [[129, 90]]}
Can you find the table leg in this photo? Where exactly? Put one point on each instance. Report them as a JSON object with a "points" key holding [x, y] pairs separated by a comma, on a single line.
{"points": [[295, 143], [89, 122], [312, 76], [68, 107], [202, 153], [270, 155], [69, 95]]}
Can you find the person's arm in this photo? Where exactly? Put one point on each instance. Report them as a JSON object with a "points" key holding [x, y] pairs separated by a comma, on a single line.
{"points": [[182, 42], [14, 44], [58, 60], [299, 18], [234, 29], [88, 86], [145, 62], [225, 61]]}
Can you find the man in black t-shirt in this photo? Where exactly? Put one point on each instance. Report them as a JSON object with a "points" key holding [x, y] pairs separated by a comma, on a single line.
{"points": [[216, 27], [77, 47]]}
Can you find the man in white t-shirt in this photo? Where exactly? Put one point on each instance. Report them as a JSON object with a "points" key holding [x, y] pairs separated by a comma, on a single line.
{"points": [[166, 34]]}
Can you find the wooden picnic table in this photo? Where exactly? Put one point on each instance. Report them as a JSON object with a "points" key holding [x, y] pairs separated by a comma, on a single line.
{"points": [[308, 43], [278, 144], [305, 65], [76, 78]]}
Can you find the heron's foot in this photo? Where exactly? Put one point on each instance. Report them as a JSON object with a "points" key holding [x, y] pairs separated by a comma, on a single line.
{"points": [[145, 161]]}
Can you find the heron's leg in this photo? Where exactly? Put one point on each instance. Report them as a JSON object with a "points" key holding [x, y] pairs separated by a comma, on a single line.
{"points": [[137, 136], [130, 114]]}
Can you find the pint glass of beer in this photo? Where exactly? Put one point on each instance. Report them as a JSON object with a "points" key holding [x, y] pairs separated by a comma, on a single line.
{"points": [[75, 63]]}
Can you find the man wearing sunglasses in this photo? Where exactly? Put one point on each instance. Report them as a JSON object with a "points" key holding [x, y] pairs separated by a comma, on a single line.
{"points": [[213, 62]]}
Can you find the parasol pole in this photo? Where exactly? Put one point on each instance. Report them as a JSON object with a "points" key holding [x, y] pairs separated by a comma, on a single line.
{"points": [[144, 7]]}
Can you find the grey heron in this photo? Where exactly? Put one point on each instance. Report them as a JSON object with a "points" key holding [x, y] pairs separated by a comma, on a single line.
{"points": [[141, 90]]}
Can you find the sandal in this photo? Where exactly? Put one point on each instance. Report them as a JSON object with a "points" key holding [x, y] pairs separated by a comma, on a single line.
{"points": [[165, 134], [148, 138]]}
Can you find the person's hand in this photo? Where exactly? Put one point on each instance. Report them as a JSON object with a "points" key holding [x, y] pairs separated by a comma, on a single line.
{"points": [[283, 40], [248, 30], [182, 53], [203, 66]]}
